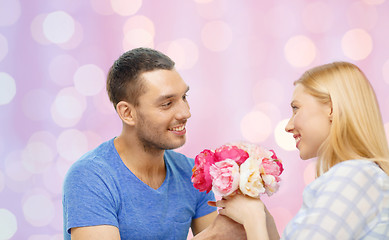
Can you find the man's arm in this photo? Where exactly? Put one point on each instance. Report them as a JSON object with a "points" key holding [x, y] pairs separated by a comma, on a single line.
{"points": [[222, 228], [199, 224], [100, 232]]}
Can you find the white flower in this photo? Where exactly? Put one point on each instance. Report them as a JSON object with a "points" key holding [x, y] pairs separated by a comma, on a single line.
{"points": [[271, 184], [250, 178]]}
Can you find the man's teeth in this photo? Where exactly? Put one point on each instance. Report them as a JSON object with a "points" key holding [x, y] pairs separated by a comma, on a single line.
{"points": [[178, 129], [297, 139]]}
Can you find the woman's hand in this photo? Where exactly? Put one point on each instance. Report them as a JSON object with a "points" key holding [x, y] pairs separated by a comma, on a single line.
{"points": [[241, 208], [248, 211]]}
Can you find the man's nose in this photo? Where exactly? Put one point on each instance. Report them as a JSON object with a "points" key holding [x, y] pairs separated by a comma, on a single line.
{"points": [[184, 111]]}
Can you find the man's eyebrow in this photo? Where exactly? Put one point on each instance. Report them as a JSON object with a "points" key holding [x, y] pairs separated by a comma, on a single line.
{"points": [[164, 97]]}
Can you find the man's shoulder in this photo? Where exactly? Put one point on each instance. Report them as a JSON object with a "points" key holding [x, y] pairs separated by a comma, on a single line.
{"points": [[94, 160]]}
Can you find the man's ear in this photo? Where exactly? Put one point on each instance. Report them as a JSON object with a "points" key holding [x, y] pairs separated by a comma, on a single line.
{"points": [[126, 112]]}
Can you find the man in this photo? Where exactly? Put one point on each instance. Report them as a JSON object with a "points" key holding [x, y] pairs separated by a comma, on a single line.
{"points": [[133, 186]]}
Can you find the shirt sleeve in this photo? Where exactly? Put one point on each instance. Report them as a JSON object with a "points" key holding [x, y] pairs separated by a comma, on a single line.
{"points": [[88, 197], [342, 206], [202, 207]]}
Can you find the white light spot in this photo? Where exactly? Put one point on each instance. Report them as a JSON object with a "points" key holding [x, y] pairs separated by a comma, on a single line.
{"points": [[62, 69], [58, 27], [45, 137], [284, 139], [37, 157], [75, 39], [8, 224], [102, 7], [68, 107], [14, 168], [3, 47], [137, 37], [10, 12], [139, 22], [38, 210], [139, 31], [37, 29], [216, 36], [126, 7], [89, 80], [7, 88], [357, 44], [184, 52], [300, 51], [256, 127], [72, 144]]}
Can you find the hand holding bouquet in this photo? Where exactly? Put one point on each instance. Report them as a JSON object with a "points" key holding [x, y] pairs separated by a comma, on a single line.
{"points": [[249, 168]]}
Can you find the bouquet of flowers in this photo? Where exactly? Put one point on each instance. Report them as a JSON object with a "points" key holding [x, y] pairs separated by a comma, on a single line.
{"points": [[249, 168]]}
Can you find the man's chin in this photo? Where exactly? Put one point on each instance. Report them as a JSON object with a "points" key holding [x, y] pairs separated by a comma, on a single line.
{"points": [[176, 146]]}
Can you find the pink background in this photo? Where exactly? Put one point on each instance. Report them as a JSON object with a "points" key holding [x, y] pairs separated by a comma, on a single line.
{"points": [[239, 58]]}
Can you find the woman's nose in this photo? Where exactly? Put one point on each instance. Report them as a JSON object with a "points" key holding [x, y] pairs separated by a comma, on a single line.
{"points": [[289, 126]]}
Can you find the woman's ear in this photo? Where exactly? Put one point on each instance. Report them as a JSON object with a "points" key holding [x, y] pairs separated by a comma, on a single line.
{"points": [[330, 115], [126, 112]]}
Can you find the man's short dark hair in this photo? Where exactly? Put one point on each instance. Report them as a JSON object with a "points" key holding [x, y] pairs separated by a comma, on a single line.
{"points": [[124, 77]]}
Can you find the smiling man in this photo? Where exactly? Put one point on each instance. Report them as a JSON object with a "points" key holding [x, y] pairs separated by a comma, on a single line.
{"points": [[134, 186]]}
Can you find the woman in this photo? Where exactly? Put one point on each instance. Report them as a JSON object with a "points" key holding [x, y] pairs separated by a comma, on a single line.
{"points": [[335, 118]]}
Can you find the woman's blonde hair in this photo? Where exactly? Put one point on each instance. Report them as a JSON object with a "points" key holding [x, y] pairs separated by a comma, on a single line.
{"points": [[357, 130]]}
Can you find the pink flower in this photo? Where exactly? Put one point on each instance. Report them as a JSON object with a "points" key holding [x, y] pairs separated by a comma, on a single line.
{"points": [[225, 177], [270, 167], [274, 156], [251, 183], [250, 168], [255, 151], [279, 163], [231, 152], [201, 178]]}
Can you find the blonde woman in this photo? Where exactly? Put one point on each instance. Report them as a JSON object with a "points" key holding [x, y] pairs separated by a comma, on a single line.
{"points": [[335, 118]]}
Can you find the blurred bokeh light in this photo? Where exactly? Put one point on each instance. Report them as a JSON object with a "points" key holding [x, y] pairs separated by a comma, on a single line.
{"points": [[240, 59]]}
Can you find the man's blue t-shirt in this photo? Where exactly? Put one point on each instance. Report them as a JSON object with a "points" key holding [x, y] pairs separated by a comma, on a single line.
{"points": [[100, 190]]}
